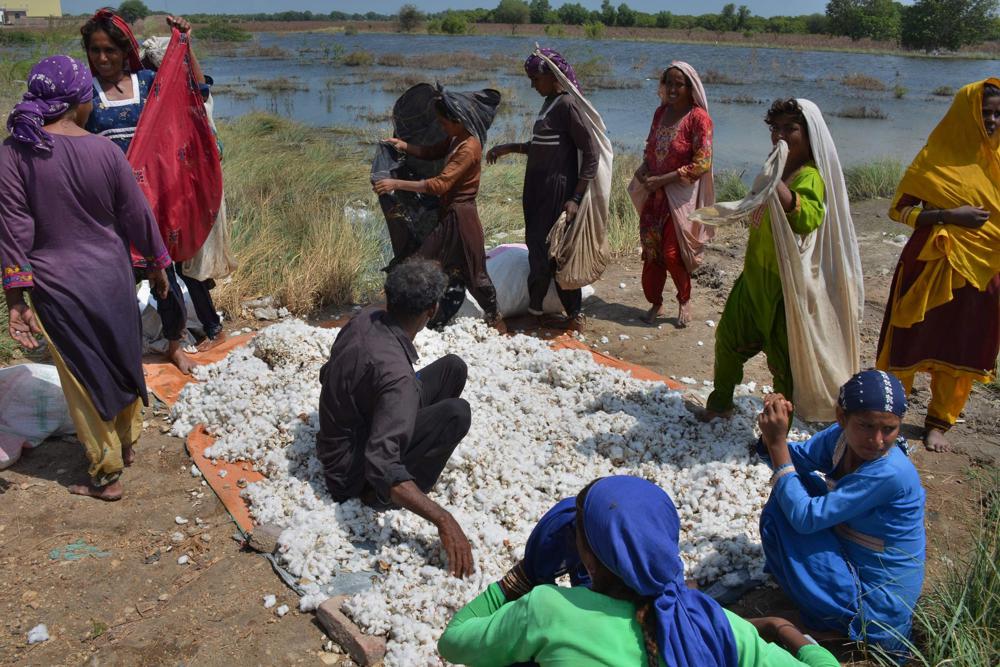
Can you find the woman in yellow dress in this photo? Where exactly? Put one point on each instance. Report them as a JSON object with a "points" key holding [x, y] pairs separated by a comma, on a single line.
{"points": [[943, 314]]}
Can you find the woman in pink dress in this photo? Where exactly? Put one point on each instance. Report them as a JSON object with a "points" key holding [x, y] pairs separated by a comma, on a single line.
{"points": [[674, 179]]}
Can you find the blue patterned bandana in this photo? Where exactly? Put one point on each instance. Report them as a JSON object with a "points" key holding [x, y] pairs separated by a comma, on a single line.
{"points": [[873, 391]]}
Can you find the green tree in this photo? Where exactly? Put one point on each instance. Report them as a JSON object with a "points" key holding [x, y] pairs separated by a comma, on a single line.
{"points": [[743, 16], [133, 10], [664, 19], [727, 17], [573, 13], [947, 24], [512, 11], [857, 19], [454, 23], [625, 16], [541, 11], [409, 18], [608, 15]]}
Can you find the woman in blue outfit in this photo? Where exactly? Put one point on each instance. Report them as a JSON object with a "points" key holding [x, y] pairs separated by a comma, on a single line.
{"points": [[848, 546]]}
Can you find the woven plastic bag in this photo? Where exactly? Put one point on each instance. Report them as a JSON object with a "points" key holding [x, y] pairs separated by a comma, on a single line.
{"points": [[32, 409]]}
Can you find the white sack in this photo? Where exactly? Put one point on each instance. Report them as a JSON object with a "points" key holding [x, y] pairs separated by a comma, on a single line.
{"points": [[32, 408], [152, 326], [507, 266], [763, 187]]}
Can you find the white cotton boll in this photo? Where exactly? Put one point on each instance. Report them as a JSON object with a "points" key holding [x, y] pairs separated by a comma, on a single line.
{"points": [[195, 472], [270, 601], [183, 560], [223, 473], [180, 521], [545, 423], [38, 634], [281, 611]]}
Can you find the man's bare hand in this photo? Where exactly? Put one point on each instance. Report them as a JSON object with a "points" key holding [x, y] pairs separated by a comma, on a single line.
{"points": [[456, 545]]}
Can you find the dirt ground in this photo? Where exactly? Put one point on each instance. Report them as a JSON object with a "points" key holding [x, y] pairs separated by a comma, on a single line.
{"points": [[127, 601]]}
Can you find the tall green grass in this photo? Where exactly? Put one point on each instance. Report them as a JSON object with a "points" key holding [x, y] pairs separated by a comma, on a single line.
{"points": [[873, 180], [288, 189], [958, 621]]}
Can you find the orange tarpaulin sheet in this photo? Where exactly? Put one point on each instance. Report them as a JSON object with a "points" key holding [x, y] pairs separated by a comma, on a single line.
{"points": [[166, 382], [228, 487]]}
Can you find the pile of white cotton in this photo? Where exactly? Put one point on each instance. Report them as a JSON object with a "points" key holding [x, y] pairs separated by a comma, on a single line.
{"points": [[544, 424]]}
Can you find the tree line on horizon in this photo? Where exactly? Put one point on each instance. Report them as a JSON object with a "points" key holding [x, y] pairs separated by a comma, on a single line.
{"points": [[925, 25]]}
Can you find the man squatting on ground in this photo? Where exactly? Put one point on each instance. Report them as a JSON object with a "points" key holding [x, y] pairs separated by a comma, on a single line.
{"points": [[385, 431]]}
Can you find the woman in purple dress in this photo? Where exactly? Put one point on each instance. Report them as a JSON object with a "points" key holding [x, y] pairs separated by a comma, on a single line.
{"points": [[69, 210]]}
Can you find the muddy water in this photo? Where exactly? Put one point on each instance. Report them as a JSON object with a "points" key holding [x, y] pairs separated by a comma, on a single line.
{"points": [[330, 93]]}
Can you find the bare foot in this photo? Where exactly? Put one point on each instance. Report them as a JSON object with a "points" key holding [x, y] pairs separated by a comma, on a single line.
{"points": [[176, 356], [652, 314], [935, 441], [684, 314], [209, 343], [111, 492], [128, 455], [707, 415], [499, 325]]}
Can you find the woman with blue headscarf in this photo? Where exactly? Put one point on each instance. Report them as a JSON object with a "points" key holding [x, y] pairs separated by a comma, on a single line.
{"points": [[637, 609], [847, 544]]}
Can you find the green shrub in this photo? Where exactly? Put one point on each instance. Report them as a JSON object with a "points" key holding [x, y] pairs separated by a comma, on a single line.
{"points": [[220, 31], [359, 59], [593, 30], [454, 23], [729, 185], [873, 180]]}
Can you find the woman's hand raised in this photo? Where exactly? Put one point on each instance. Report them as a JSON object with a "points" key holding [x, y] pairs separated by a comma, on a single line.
{"points": [[182, 24]]}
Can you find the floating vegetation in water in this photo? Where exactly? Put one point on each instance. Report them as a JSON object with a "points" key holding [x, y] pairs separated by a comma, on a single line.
{"points": [[613, 83], [740, 99], [943, 91], [359, 59], [592, 67], [278, 85], [860, 81], [237, 91], [862, 112], [714, 76]]}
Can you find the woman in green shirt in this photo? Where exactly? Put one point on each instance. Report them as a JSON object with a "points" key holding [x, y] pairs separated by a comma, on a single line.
{"points": [[638, 610], [753, 320]]}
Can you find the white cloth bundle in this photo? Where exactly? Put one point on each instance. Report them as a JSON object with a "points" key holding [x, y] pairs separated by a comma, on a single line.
{"points": [[580, 249], [763, 187]]}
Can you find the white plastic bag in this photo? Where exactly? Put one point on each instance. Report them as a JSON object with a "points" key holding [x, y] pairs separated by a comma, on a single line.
{"points": [[32, 408]]}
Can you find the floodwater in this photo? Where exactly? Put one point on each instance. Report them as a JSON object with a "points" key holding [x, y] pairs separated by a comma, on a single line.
{"points": [[333, 94]]}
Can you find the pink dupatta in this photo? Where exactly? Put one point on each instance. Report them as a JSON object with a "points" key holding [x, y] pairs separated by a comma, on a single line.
{"points": [[685, 197]]}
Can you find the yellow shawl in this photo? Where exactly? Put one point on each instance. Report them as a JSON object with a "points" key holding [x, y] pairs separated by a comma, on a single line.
{"points": [[960, 164]]}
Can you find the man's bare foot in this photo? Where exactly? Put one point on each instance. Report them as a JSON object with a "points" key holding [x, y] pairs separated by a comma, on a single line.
{"points": [[707, 415], [652, 314], [684, 314], [935, 441], [209, 343], [176, 356], [110, 492], [128, 455], [498, 324]]}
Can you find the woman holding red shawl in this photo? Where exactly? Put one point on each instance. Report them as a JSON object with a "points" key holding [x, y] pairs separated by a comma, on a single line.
{"points": [[121, 90]]}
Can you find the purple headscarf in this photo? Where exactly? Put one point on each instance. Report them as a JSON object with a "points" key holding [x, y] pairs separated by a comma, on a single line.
{"points": [[535, 65], [54, 85]]}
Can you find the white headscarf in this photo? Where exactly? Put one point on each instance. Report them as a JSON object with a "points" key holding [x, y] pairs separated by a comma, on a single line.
{"points": [[822, 285]]}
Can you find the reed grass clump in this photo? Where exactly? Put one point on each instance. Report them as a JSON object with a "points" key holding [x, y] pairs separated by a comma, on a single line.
{"points": [[958, 621], [290, 191], [359, 59], [943, 91], [873, 180], [714, 76], [860, 81], [861, 112], [729, 185]]}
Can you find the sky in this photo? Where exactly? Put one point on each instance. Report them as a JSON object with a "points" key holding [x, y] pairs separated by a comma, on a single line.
{"points": [[759, 7]]}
